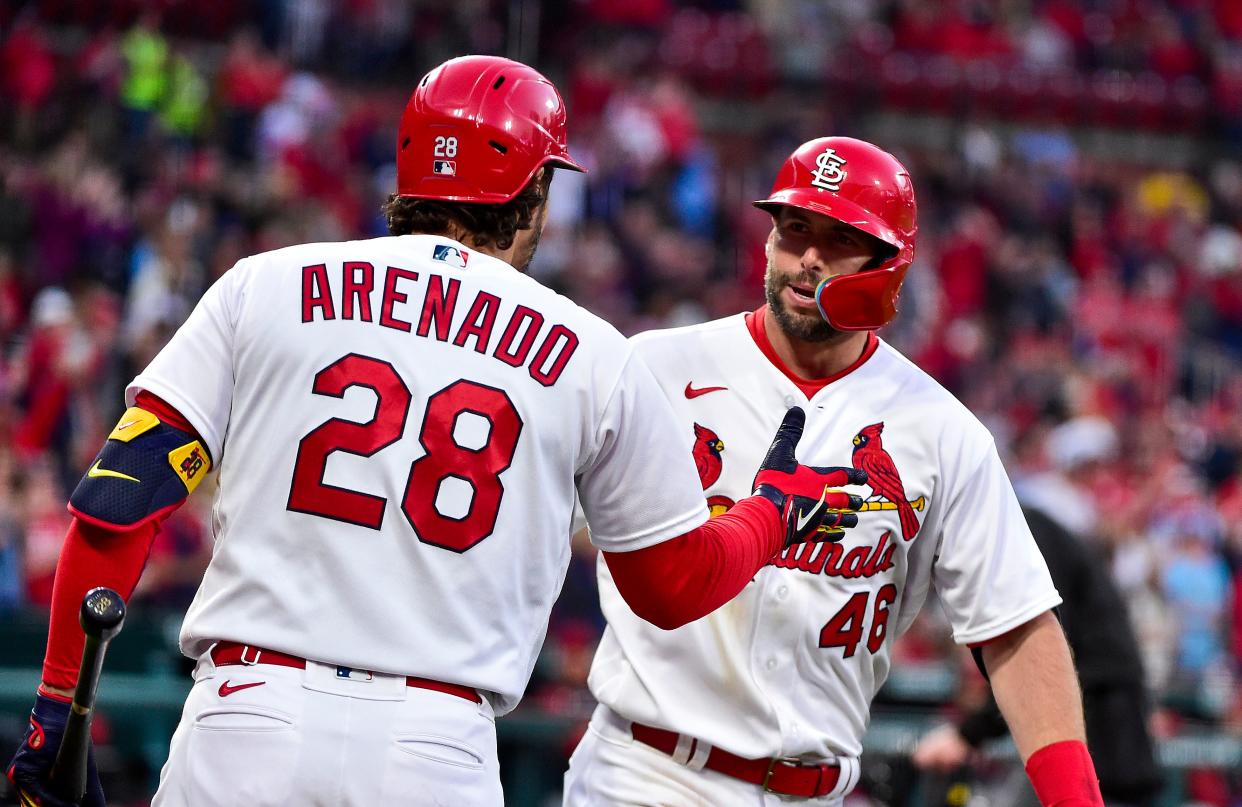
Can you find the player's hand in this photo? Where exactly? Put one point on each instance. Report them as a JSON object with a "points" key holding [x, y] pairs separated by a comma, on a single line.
{"points": [[804, 495], [31, 767], [942, 750]]}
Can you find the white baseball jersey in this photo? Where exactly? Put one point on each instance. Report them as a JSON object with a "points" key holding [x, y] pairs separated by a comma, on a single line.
{"points": [[401, 425], [789, 667]]}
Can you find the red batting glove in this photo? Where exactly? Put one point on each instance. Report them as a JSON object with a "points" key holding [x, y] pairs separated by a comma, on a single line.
{"points": [[810, 511]]}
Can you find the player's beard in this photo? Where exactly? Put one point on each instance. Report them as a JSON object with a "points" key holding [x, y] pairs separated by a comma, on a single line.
{"points": [[526, 250], [804, 327]]}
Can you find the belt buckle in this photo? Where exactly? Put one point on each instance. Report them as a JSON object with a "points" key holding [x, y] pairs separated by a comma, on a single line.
{"points": [[257, 652], [772, 763], [794, 762]]}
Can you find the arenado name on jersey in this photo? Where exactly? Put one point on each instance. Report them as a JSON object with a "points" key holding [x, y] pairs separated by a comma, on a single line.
{"points": [[346, 292]]}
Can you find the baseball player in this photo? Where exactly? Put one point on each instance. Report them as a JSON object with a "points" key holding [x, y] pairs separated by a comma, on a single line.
{"points": [[767, 699], [1110, 670], [401, 428]]}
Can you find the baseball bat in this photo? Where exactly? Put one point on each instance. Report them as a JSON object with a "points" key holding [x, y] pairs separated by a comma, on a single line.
{"points": [[102, 615]]}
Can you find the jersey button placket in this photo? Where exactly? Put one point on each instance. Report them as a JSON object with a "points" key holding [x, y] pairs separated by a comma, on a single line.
{"points": [[777, 618]]}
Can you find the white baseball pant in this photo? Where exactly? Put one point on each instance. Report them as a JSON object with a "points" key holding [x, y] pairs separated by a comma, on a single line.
{"points": [[262, 735]]}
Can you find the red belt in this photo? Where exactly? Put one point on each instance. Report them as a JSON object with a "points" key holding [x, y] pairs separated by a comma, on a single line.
{"points": [[781, 776], [227, 653]]}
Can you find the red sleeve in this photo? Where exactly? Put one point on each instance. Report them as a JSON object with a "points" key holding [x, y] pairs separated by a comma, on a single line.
{"points": [[686, 578], [91, 556], [164, 411], [94, 555]]}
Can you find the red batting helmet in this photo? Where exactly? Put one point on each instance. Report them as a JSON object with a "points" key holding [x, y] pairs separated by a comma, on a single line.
{"points": [[477, 128], [866, 187]]}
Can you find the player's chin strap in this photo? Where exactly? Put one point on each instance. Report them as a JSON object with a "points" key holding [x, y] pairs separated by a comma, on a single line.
{"points": [[145, 470]]}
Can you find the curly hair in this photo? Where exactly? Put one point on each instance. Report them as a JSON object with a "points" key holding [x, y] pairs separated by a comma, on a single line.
{"points": [[487, 225]]}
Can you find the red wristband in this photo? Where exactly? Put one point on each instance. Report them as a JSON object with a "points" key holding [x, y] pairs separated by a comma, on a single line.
{"points": [[1063, 775]]}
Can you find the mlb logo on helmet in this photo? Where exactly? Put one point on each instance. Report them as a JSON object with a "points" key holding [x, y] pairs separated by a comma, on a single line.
{"points": [[445, 167], [453, 256]]}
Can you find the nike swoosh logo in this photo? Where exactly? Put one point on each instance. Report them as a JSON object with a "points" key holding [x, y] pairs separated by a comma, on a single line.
{"points": [[805, 518], [691, 392], [226, 690], [95, 472], [123, 426]]}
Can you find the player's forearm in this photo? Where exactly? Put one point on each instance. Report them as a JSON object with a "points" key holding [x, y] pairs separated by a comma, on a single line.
{"points": [[686, 578], [1033, 679], [91, 556]]}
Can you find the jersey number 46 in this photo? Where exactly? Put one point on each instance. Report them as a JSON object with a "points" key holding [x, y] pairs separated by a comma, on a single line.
{"points": [[479, 467], [845, 629]]}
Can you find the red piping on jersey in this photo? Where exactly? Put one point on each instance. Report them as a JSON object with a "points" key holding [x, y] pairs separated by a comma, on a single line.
{"points": [[755, 323]]}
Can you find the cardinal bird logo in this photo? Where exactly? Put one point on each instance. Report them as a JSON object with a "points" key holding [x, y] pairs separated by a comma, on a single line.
{"points": [[882, 476], [707, 448]]}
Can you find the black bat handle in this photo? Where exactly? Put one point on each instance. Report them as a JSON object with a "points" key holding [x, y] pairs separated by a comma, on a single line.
{"points": [[102, 616]]}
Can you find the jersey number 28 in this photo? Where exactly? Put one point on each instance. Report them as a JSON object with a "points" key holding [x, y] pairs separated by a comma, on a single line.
{"points": [[479, 467]]}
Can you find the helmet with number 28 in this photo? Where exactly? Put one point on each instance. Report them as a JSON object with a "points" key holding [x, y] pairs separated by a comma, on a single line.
{"points": [[866, 187], [477, 128]]}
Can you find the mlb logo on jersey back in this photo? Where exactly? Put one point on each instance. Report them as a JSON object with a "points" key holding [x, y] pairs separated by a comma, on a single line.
{"points": [[453, 256], [445, 167], [354, 675]]}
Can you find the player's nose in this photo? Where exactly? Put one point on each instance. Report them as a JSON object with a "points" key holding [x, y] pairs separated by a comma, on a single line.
{"points": [[814, 259]]}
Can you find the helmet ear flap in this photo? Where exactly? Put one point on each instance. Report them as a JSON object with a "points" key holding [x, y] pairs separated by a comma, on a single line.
{"points": [[863, 301]]}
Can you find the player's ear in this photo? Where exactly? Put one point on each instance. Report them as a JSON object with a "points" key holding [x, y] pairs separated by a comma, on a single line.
{"points": [[541, 184]]}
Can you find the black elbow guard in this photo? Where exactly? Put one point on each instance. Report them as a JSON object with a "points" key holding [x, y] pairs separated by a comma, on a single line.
{"points": [[145, 469]]}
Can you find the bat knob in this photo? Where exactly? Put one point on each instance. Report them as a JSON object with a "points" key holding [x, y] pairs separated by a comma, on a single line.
{"points": [[103, 613]]}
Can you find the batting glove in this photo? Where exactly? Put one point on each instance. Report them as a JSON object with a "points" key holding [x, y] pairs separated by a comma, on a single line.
{"points": [[31, 768], [804, 495]]}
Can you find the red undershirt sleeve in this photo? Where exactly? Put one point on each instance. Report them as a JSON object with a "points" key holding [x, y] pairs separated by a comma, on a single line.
{"points": [[686, 578], [92, 556]]}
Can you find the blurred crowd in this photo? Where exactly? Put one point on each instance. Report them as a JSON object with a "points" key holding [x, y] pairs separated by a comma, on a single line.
{"points": [[1086, 303]]}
